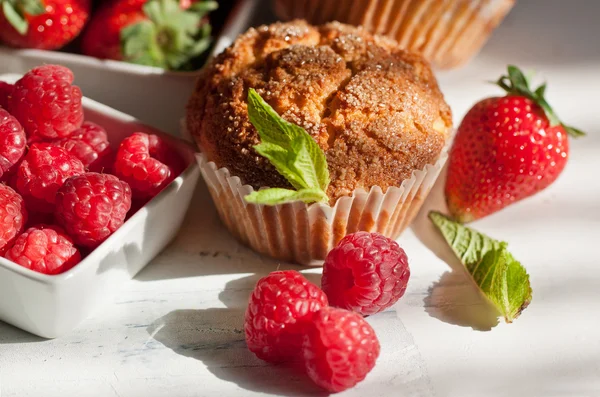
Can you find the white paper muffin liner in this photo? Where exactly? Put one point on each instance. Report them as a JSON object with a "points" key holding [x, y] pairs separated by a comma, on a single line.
{"points": [[303, 233]]}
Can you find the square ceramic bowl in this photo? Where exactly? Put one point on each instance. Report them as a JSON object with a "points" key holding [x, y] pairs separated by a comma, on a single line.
{"points": [[50, 306], [167, 90]]}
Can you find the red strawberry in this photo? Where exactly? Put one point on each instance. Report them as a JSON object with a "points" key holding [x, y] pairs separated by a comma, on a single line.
{"points": [[43, 24], [149, 32], [506, 149]]}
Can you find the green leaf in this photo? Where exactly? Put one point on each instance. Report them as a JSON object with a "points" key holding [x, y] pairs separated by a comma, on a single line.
{"points": [[501, 278], [15, 18], [32, 7], [291, 150], [204, 7], [275, 196], [139, 46], [177, 36], [574, 132]]}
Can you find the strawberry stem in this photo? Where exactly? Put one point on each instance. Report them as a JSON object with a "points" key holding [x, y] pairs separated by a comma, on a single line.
{"points": [[170, 37], [516, 83]]}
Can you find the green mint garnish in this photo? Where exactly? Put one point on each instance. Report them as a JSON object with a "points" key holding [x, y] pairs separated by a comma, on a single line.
{"points": [[516, 83], [501, 278], [293, 153]]}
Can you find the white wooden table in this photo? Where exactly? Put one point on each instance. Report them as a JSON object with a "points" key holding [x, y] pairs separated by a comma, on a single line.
{"points": [[176, 330]]}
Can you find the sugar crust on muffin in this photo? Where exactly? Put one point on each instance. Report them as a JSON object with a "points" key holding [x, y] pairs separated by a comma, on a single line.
{"points": [[375, 109]]}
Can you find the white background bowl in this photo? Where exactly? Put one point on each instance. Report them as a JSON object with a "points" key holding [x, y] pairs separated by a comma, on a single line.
{"points": [[50, 306]]}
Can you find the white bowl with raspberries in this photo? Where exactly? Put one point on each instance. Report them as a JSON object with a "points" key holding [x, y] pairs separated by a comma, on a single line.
{"points": [[89, 196]]}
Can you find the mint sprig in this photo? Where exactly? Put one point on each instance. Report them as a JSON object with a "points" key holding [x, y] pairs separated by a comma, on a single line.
{"points": [[499, 276], [516, 83], [293, 153]]}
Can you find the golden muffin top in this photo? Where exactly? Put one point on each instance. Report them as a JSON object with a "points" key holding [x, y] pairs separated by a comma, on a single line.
{"points": [[375, 109]]}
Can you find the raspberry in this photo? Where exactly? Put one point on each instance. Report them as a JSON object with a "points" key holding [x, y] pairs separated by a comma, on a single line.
{"points": [[366, 273], [42, 172], [147, 163], [278, 312], [13, 216], [12, 143], [92, 206], [5, 91], [44, 249], [90, 145], [46, 104], [340, 348]]}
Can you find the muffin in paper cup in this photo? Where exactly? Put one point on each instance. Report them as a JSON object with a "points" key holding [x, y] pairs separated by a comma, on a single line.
{"points": [[305, 233], [368, 112], [446, 32]]}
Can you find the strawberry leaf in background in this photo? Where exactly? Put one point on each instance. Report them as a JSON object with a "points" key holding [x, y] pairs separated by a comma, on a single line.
{"points": [[16, 19], [15, 12], [293, 153], [171, 36], [501, 278], [32, 7]]}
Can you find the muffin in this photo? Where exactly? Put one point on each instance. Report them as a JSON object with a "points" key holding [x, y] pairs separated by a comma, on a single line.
{"points": [[446, 32], [374, 109]]}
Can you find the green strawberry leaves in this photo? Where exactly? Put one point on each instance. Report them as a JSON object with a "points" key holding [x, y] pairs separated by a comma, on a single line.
{"points": [[293, 153], [16, 11], [516, 83], [171, 37], [501, 278]]}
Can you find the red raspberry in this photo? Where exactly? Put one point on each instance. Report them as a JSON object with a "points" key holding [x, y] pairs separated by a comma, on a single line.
{"points": [[13, 216], [147, 163], [90, 145], [44, 249], [12, 143], [46, 103], [5, 91], [366, 273], [42, 172], [92, 206], [280, 307], [340, 348]]}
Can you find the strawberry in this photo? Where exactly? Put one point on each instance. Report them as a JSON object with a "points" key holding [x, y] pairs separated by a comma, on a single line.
{"points": [[506, 149], [162, 33], [42, 24]]}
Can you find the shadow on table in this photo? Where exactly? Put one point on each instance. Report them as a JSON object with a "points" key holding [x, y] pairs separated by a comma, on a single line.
{"points": [[216, 337], [203, 247], [10, 334], [453, 298]]}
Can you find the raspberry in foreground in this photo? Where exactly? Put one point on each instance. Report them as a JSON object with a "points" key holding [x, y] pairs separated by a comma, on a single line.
{"points": [[366, 273], [5, 91], [12, 143], [90, 145], [92, 206], [340, 348], [279, 310], [44, 249], [42, 172], [147, 163], [46, 104], [13, 216]]}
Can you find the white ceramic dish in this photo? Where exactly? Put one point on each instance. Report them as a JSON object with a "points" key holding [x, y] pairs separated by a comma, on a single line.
{"points": [[98, 78], [50, 306]]}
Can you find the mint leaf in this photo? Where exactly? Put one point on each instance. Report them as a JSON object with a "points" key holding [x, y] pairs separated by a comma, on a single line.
{"points": [[501, 278], [293, 153], [277, 196]]}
